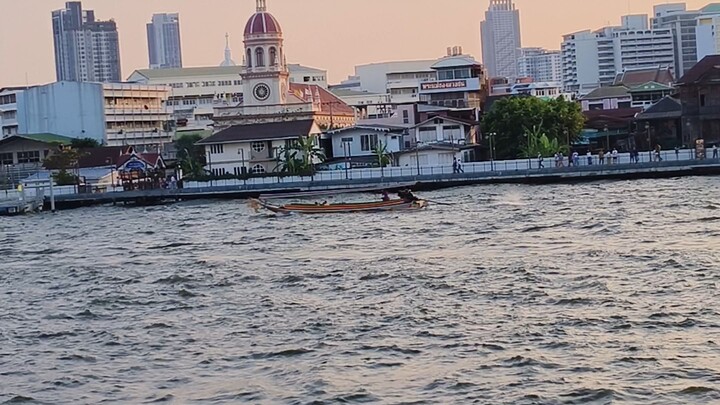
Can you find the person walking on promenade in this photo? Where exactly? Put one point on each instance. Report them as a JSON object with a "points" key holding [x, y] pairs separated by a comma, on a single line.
{"points": [[459, 167], [561, 159], [589, 157], [677, 153], [657, 153], [715, 151], [455, 165], [615, 156], [557, 159], [576, 158], [601, 157], [540, 161]]}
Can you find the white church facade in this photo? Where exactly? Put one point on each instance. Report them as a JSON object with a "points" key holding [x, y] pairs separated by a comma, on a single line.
{"points": [[270, 101]]}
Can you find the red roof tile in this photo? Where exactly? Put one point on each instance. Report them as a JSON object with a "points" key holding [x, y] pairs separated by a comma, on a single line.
{"points": [[329, 103], [262, 23], [700, 69]]}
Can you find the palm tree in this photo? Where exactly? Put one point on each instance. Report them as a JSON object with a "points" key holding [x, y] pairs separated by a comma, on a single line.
{"points": [[381, 156], [310, 152]]}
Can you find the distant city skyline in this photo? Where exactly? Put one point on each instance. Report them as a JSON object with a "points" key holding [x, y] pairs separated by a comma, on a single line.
{"points": [[401, 32]]}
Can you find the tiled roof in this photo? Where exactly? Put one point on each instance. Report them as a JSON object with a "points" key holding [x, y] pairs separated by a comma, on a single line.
{"points": [[636, 77], [262, 132], [607, 92], [700, 69], [329, 103], [49, 138], [650, 86], [668, 107]]}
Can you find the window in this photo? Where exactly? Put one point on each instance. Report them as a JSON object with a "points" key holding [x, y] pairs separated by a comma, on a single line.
{"points": [[273, 56], [258, 146], [406, 117], [215, 149], [368, 142], [248, 57], [346, 140], [258, 169], [29, 157], [6, 159], [702, 100], [259, 57]]}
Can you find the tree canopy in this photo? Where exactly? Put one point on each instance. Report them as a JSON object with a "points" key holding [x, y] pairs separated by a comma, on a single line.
{"points": [[513, 119], [83, 143], [191, 156]]}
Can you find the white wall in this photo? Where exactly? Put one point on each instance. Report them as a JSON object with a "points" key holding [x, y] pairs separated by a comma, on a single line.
{"points": [[373, 76], [74, 109], [708, 43], [393, 145], [428, 158]]}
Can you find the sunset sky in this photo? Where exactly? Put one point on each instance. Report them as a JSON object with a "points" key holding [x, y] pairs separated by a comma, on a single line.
{"points": [[332, 34]]}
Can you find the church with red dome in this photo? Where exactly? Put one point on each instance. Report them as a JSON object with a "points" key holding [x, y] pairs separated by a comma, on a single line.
{"points": [[269, 99]]}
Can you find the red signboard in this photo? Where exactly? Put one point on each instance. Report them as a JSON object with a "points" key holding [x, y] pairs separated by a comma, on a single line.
{"points": [[458, 84]]}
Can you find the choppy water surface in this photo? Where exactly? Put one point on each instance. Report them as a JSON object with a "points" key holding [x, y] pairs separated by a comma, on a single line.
{"points": [[574, 294]]}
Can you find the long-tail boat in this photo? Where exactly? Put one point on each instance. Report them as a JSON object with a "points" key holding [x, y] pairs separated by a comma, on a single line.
{"points": [[324, 208]]}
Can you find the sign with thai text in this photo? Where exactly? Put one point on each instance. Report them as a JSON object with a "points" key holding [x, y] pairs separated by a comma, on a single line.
{"points": [[457, 84], [135, 165]]}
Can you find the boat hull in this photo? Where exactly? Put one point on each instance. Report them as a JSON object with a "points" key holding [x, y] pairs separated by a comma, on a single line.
{"points": [[392, 205]]}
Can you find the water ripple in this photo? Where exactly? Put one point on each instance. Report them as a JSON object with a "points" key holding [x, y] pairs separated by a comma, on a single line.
{"points": [[564, 294]]}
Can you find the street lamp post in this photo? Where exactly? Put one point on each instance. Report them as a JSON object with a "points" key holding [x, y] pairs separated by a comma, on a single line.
{"points": [[607, 139], [492, 151], [649, 138]]}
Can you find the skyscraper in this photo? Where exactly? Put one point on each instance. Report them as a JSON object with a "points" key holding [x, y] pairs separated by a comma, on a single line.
{"points": [[500, 37], [85, 49], [163, 34]]}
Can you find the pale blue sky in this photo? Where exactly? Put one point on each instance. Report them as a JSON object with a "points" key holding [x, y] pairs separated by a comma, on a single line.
{"points": [[331, 34]]}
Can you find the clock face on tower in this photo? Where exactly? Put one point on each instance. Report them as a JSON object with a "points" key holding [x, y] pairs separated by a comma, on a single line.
{"points": [[261, 92]]}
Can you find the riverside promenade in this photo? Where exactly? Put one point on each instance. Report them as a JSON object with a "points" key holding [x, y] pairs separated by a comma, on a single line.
{"points": [[420, 179]]}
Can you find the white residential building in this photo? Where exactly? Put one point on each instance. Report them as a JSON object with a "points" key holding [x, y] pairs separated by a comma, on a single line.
{"points": [[501, 40], [540, 64], [683, 23], [114, 113], [355, 146], [376, 77], [543, 90], [708, 37], [592, 58], [8, 111]]}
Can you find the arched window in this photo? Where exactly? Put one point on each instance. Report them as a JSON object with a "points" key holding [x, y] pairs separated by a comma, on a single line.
{"points": [[249, 58], [259, 57], [257, 169], [273, 56]]}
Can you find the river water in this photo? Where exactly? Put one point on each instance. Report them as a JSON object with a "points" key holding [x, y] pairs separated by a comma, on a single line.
{"points": [[570, 294]]}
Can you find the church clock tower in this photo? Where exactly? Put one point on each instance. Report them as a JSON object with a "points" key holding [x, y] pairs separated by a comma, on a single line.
{"points": [[265, 77]]}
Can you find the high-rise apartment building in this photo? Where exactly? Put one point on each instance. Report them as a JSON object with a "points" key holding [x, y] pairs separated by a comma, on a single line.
{"points": [[592, 58], [683, 24], [540, 64], [86, 49], [500, 37], [163, 34]]}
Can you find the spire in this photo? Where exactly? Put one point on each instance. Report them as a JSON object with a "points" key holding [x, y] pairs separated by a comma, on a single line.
{"points": [[228, 53], [261, 6]]}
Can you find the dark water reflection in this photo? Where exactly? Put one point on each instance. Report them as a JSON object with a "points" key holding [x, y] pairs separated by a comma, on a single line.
{"points": [[575, 294]]}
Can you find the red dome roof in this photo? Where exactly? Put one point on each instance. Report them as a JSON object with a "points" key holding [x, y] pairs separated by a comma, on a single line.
{"points": [[262, 23]]}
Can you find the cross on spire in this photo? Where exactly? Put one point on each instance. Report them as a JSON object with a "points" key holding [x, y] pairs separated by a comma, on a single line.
{"points": [[261, 6]]}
